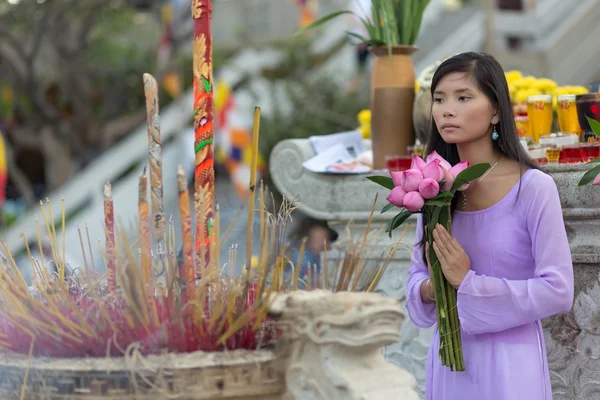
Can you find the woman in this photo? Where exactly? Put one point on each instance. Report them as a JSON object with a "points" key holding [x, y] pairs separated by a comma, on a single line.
{"points": [[509, 258]]}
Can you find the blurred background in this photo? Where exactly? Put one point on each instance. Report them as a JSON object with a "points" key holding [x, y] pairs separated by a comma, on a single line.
{"points": [[72, 107]]}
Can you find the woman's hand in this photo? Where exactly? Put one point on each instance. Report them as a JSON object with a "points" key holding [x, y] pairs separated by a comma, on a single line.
{"points": [[454, 260]]}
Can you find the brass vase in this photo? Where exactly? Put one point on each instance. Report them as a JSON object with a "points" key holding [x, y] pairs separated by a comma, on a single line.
{"points": [[392, 98]]}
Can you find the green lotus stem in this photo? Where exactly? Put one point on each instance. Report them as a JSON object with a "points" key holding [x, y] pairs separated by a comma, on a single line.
{"points": [[445, 295], [461, 363], [455, 322], [451, 322], [438, 290], [453, 315], [444, 328]]}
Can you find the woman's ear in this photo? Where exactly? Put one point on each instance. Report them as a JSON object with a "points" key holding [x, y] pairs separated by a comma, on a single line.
{"points": [[495, 117]]}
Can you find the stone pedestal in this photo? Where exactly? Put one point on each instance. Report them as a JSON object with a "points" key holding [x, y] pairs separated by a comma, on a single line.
{"points": [[340, 199], [330, 346], [572, 340]]}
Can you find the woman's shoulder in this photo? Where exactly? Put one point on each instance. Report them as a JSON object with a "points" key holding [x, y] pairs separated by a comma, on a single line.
{"points": [[535, 180], [537, 187]]}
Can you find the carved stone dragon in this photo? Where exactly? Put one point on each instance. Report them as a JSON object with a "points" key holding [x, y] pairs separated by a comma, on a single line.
{"points": [[331, 345]]}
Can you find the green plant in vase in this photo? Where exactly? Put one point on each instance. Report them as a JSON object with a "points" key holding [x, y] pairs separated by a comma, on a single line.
{"points": [[392, 23]]}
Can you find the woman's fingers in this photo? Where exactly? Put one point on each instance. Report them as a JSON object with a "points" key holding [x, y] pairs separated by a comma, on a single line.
{"points": [[440, 242], [450, 241], [439, 253]]}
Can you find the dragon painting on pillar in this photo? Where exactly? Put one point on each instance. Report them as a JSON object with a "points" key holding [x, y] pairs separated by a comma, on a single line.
{"points": [[204, 176]]}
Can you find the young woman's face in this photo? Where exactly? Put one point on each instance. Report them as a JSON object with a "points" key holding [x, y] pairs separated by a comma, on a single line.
{"points": [[462, 112]]}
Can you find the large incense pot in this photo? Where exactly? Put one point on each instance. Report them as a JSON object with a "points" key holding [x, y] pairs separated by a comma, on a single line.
{"points": [[194, 376], [341, 336]]}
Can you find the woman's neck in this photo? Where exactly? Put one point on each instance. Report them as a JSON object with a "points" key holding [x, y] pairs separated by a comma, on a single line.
{"points": [[477, 152]]}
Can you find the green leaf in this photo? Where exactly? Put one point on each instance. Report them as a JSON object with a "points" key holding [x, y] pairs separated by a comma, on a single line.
{"points": [[322, 21], [443, 195], [384, 181], [357, 36], [589, 176], [387, 207], [397, 221], [469, 174], [436, 202], [595, 125]]}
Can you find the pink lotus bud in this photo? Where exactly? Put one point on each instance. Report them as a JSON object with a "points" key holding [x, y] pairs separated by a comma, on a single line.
{"points": [[596, 180], [429, 188], [396, 196], [443, 163], [397, 177], [413, 201], [433, 170], [448, 180], [412, 178], [457, 169], [417, 163]]}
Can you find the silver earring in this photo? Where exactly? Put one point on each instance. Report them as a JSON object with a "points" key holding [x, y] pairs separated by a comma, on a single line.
{"points": [[495, 134]]}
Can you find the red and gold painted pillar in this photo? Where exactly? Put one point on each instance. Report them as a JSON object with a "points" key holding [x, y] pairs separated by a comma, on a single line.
{"points": [[204, 175]]}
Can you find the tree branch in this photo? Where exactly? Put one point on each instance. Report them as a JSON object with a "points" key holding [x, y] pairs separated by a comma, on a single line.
{"points": [[115, 129], [11, 52], [18, 177]]}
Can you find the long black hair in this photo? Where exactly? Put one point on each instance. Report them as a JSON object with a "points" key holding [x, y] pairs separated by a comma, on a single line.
{"points": [[487, 73]]}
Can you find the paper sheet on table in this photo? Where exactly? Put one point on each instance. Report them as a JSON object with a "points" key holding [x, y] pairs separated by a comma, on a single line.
{"points": [[336, 159], [352, 140]]}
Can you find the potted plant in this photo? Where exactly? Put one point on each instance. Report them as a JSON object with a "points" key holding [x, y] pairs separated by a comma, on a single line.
{"points": [[392, 30]]}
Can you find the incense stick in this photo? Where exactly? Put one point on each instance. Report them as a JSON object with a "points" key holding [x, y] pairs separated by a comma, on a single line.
{"points": [[109, 227], [144, 232], [154, 156], [187, 271]]}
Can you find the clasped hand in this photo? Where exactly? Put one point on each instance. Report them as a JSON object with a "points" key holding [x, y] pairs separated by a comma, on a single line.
{"points": [[454, 261]]}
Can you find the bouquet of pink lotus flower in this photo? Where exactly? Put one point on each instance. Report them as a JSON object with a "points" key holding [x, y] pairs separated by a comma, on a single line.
{"points": [[428, 188]]}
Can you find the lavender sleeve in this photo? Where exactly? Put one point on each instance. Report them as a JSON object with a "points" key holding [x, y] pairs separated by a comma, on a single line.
{"points": [[421, 314], [490, 304]]}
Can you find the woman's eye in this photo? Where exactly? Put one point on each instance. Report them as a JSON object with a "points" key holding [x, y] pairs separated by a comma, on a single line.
{"points": [[437, 100], [463, 98]]}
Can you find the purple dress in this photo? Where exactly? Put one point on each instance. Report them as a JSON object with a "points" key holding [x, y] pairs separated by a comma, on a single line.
{"points": [[521, 272]]}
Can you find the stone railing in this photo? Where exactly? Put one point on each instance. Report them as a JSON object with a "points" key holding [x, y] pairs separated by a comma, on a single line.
{"points": [[572, 339], [559, 39]]}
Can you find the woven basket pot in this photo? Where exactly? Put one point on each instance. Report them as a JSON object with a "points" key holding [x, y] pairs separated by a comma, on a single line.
{"points": [[234, 375]]}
